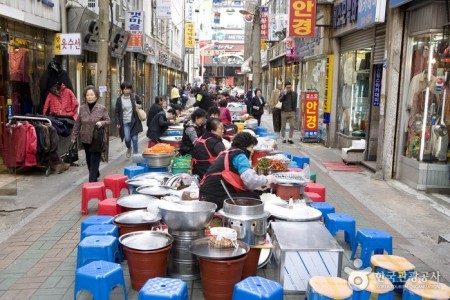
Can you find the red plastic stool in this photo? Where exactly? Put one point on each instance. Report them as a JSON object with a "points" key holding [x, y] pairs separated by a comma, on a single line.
{"points": [[314, 197], [294, 170], [115, 183], [108, 207], [89, 191], [316, 188]]}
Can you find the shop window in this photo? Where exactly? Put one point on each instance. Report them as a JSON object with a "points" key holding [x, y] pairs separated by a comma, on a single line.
{"points": [[354, 83], [427, 100]]}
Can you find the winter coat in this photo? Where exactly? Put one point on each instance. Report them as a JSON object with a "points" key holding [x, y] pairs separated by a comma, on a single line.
{"points": [[154, 109], [257, 106], [158, 126], [136, 124], [84, 126], [66, 104], [51, 76]]}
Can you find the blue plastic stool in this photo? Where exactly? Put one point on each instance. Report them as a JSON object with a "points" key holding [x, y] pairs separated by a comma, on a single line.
{"points": [[99, 278], [104, 229], [95, 220], [98, 247], [319, 288], [132, 171], [261, 130], [301, 160], [324, 207], [159, 288], [255, 288], [293, 164], [416, 289], [162, 169], [335, 222], [144, 165], [371, 240]]}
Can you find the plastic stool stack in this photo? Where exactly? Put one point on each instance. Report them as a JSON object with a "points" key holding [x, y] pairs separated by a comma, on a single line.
{"points": [[328, 288], [257, 288], [95, 220], [335, 222], [159, 288], [144, 165], [89, 191], [371, 240], [301, 161], [398, 269], [324, 207], [378, 287], [103, 229], [415, 289], [115, 183], [98, 247], [132, 171], [108, 207], [99, 278], [316, 188], [314, 197]]}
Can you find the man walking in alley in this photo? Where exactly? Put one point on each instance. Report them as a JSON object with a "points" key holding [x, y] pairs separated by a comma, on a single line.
{"points": [[289, 106], [275, 106], [174, 94]]}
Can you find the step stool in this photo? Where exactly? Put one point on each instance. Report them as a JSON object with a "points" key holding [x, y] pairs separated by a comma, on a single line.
{"points": [[159, 288], [255, 288], [103, 229], [416, 289], [95, 220], [108, 207], [301, 160], [335, 222], [371, 240], [377, 287], [89, 191], [316, 188], [132, 171], [328, 288], [324, 207], [144, 165], [115, 183], [314, 197], [98, 247], [99, 278], [398, 269]]}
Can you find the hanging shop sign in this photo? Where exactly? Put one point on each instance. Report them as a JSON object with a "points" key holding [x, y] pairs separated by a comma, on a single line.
{"points": [[67, 44], [370, 12], [264, 12], [377, 84], [189, 36], [395, 3], [134, 24], [302, 18], [328, 89], [163, 9], [290, 48], [189, 11], [344, 13], [310, 114]]}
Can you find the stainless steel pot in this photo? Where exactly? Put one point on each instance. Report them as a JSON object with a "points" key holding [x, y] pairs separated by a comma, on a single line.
{"points": [[158, 160], [187, 215], [182, 263], [243, 207]]}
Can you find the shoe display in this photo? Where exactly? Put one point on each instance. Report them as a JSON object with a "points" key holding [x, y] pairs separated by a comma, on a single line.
{"points": [[128, 152], [291, 142]]}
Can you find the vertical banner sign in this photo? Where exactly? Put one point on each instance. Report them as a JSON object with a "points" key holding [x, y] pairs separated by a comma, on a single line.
{"points": [[189, 35], [328, 89], [67, 44], [163, 9], [134, 24], [189, 11], [302, 18], [310, 114], [377, 84], [264, 12], [290, 48]]}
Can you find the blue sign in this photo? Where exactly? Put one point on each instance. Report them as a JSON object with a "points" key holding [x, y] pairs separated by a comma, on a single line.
{"points": [[47, 2], [377, 84], [344, 13], [370, 12], [395, 3]]}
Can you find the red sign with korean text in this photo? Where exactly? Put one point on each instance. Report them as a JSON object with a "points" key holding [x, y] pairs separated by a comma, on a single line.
{"points": [[264, 11], [310, 111], [302, 18]]}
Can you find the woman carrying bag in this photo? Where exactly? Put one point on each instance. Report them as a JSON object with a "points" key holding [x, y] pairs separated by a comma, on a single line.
{"points": [[257, 106], [92, 118], [127, 120]]}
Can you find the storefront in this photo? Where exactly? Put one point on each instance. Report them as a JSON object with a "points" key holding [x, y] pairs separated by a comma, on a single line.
{"points": [[425, 109], [168, 73]]}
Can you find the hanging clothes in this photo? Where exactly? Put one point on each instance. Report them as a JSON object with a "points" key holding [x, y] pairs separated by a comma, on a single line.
{"points": [[19, 64]]}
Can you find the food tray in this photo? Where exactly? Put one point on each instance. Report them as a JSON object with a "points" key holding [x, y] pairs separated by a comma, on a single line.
{"points": [[201, 248], [290, 178]]}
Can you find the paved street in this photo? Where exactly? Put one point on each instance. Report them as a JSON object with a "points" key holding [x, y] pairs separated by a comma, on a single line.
{"points": [[38, 247]]}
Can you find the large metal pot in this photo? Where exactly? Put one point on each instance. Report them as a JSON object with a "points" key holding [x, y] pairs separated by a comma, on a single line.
{"points": [[134, 221], [158, 160], [243, 207], [134, 202], [187, 215]]}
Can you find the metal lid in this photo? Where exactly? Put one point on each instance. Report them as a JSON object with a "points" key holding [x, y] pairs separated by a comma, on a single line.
{"points": [[153, 190], [135, 201], [146, 240], [175, 138], [143, 182], [134, 217], [160, 176], [201, 248]]}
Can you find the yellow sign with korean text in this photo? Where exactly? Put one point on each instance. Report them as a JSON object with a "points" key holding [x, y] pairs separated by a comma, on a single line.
{"points": [[328, 84], [189, 35]]}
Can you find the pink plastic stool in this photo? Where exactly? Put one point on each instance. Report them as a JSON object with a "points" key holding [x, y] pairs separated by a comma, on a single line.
{"points": [[314, 197], [316, 188], [108, 207], [115, 183], [89, 191], [294, 170]]}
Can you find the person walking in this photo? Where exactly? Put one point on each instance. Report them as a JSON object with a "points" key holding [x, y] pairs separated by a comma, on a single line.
{"points": [[257, 106], [276, 111], [288, 109], [91, 115], [174, 94], [203, 98], [127, 120]]}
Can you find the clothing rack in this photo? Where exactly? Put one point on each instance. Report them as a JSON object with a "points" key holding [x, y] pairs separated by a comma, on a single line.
{"points": [[32, 118]]}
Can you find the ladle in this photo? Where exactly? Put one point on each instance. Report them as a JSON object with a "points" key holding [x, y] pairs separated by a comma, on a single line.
{"points": [[226, 191]]}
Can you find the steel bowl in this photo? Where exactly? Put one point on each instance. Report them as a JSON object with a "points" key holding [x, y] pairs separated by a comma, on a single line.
{"points": [[133, 202], [188, 215], [146, 240], [158, 160]]}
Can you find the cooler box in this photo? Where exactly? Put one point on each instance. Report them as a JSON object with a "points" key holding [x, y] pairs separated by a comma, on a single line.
{"points": [[303, 250]]}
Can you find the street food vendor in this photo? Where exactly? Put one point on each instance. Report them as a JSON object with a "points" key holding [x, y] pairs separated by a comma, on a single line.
{"points": [[233, 168], [193, 130]]}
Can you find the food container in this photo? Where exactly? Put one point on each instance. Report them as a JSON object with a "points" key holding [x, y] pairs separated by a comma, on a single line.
{"points": [[158, 160], [201, 248], [187, 215], [286, 190], [174, 141], [134, 221], [134, 202]]}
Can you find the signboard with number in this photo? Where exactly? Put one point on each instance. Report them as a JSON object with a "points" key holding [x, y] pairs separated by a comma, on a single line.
{"points": [[67, 44], [310, 114], [264, 22], [302, 18], [134, 24], [370, 12], [189, 35]]}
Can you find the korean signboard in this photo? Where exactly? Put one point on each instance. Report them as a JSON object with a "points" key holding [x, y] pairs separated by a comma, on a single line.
{"points": [[377, 84], [67, 44], [189, 11], [134, 24], [302, 18], [264, 23], [189, 35], [310, 114], [370, 12], [328, 88], [395, 3], [163, 9], [344, 13]]}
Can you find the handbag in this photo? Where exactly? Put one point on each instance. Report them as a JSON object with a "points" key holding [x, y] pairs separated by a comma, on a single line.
{"points": [[141, 114], [98, 141], [71, 155], [279, 105]]}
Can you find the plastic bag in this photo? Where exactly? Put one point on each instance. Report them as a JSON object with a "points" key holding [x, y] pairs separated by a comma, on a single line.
{"points": [[223, 237], [306, 172]]}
